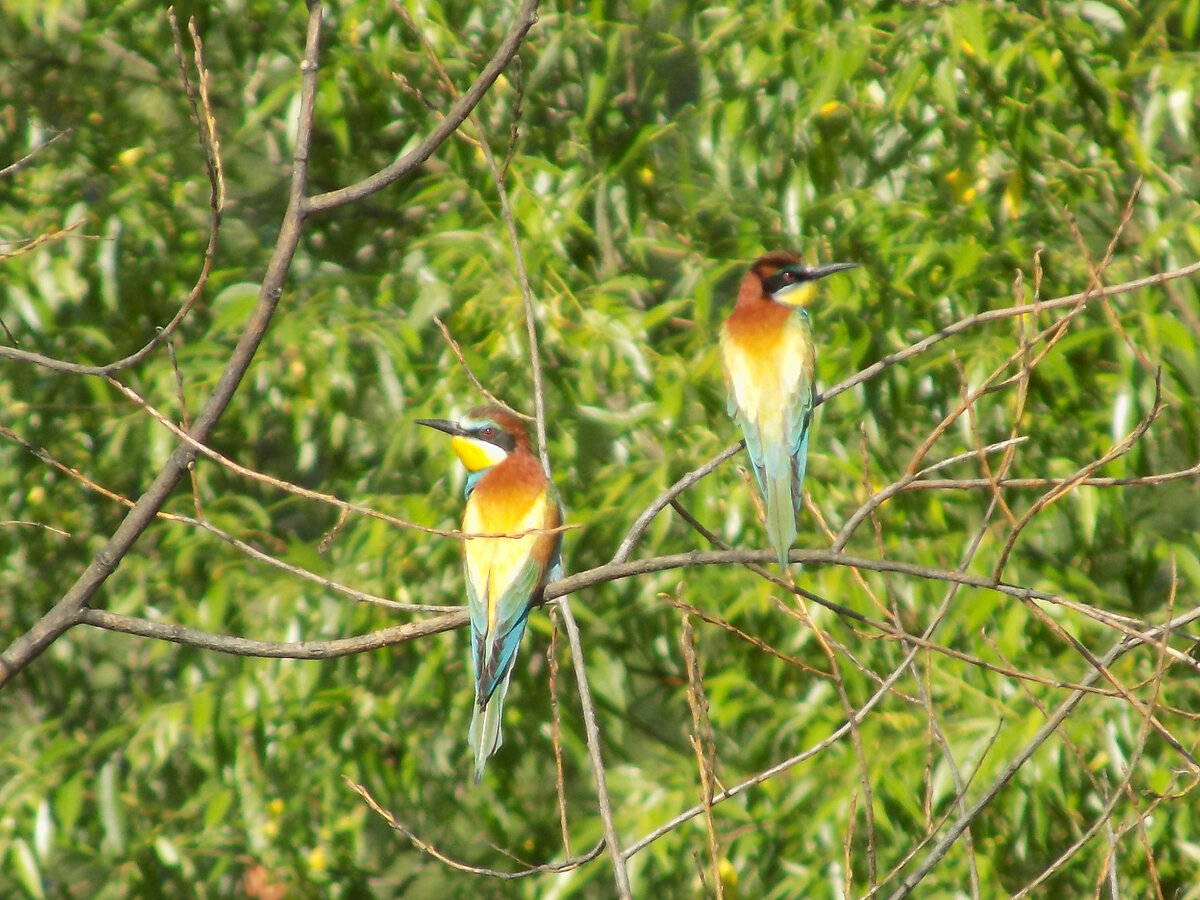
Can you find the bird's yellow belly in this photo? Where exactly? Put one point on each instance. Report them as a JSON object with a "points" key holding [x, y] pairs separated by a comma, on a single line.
{"points": [[494, 563], [766, 377]]}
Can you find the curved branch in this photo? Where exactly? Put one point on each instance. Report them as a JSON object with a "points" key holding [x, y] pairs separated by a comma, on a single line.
{"points": [[67, 612], [564, 586], [429, 849], [663, 500], [15, 167], [206, 127], [237, 646], [526, 18], [993, 315]]}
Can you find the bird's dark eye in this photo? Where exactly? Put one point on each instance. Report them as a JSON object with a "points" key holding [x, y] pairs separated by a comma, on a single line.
{"points": [[788, 276], [487, 431]]}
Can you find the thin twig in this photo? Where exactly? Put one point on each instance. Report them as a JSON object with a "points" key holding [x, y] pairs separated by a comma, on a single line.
{"points": [[206, 126], [432, 851], [702, 744], [560, 785], [1022, 756], [239, 646], [1085, 471], [21, 523], [663, 500], [15, 167], [992, 315], [488, 395], [201, 449], [592, 730], [57, 234]]}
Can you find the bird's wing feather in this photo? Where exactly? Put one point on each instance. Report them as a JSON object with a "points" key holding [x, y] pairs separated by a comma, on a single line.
{"points": [[744, 391]]}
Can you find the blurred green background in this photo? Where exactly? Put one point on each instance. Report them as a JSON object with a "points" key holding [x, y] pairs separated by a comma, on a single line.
{"points": [[659, 148]]}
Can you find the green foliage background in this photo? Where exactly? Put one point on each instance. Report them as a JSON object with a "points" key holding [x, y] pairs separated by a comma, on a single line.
{"points": [[660, 148]]}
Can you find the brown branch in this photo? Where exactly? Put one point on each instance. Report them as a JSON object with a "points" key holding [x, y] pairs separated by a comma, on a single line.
{"points": [[72, 473], [560, 783], [1104, 820], [993, 315], [791, 762], [21, 523], [1075, 644], [934, 827], [209, 526], [663, 500], [750, 639], [592, 734], [239, 646], [1051, 334], [514, 240], [574, 583], [206, 126], [1124, 646], [968, 484], [344, 506], [702, 744], [67, 612], [29, 246], [1056, 493], [526, 19], [1043, 734], [484, 392], [299, 572]]}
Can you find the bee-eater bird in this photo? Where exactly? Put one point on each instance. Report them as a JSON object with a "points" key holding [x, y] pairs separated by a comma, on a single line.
{"points": [[508, 494], [770, 365]]}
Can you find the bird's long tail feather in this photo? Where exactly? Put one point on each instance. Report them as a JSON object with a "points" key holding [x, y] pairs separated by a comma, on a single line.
{"points": [[484, 735], [781, 516]]}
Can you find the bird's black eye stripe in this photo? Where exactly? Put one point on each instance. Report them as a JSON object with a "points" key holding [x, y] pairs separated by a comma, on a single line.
{"points": [[497, 436], [783, 278]]}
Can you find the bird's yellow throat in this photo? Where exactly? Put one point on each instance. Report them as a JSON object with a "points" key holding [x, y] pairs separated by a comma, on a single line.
{"points": [[797, 295], [476, 454]]}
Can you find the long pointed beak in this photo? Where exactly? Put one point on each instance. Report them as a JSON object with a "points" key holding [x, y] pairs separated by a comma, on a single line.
{"points": [[445, 425], [829, 268]]}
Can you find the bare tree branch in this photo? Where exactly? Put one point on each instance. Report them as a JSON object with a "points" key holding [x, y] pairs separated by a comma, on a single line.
{"points": [[206, 126], [993, 315], [67, 611], [1022, 756], [239, 646], [526, 18], [615, 572]]}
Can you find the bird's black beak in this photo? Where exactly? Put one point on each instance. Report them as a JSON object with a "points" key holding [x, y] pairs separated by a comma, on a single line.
{"points": [[445, 425], [828, 269]]}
